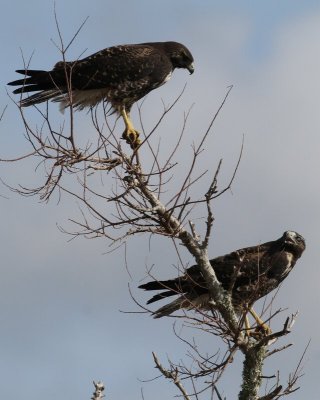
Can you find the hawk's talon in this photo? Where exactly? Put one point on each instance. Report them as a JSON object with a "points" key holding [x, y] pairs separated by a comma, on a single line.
{"points": [[263, 329], [259, 332], [131, 136]]}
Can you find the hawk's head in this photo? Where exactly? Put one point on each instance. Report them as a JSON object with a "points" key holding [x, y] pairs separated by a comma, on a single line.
{"points": [[294, 243], [179, 55]]}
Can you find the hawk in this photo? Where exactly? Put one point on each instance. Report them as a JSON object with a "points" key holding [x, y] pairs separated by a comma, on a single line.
{"points": [[249, 274], [119, 75]]}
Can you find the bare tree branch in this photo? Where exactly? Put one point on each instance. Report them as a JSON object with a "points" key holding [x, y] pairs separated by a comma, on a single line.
{"points": [[172, 375], [99, 389]]}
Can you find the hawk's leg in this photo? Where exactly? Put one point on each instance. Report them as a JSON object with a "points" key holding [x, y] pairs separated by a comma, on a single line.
{"points": [[261, 325], [130, 135], [247, 325]]}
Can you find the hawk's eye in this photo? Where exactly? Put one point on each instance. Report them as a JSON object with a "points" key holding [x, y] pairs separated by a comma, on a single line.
{"points": [[186, 57]]}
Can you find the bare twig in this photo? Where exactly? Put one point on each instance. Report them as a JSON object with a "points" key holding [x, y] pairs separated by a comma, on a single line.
{"points": [[99, 389], [172, 375]]}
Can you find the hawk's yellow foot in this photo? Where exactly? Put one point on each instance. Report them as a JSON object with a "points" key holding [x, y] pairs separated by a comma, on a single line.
{"points": [[130, 135], [262, 327]]}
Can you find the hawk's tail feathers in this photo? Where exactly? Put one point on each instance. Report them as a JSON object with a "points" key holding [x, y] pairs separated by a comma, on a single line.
{"points": [[188, 302], [161, 296], [170, 308], [33, 80], [161, 285], [171, 285], [40, 97], [153, 285]]}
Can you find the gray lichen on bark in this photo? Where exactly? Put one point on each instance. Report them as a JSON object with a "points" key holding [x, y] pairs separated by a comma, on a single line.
{"points": [[252, 371]]}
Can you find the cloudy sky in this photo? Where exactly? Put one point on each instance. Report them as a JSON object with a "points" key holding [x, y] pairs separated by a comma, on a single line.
{"points": [[59, 299]]}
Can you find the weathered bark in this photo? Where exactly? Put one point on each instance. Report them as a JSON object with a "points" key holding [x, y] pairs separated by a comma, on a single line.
{"points": [[252, 371]]}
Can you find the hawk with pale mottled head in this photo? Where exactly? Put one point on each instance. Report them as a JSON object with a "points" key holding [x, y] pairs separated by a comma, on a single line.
{"points": [[249, 274]]}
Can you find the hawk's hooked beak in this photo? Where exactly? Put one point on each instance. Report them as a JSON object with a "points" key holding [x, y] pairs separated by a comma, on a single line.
{"points": [[289, 239], [190, 68]]}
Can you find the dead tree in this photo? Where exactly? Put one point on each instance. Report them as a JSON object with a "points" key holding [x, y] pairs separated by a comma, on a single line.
{"points": [[128, 199]]}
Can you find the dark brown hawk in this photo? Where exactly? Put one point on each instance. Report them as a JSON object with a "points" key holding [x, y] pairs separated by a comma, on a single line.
{"points": [[120, 75], [249, 274]]}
